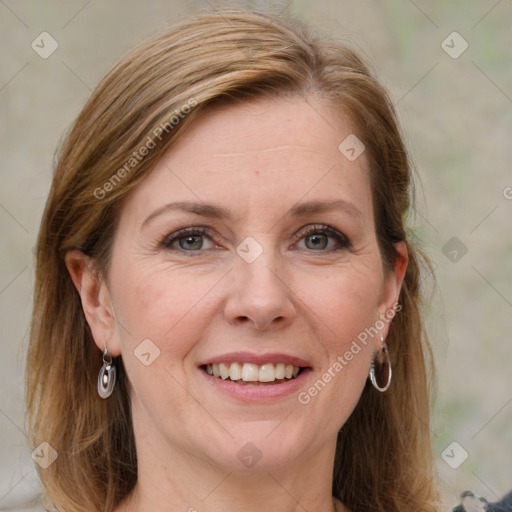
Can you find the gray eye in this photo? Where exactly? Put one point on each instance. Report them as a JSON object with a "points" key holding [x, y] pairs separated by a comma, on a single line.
{"points": [[318, 241], [194, 242]]}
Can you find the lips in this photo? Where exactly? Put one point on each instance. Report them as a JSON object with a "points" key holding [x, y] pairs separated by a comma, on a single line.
{"points": [[257, 392], [259, 359], [255, 369]]}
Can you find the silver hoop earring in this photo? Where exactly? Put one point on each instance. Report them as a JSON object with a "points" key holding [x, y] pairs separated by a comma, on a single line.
{"points": [[372, 369], [106, 376]]}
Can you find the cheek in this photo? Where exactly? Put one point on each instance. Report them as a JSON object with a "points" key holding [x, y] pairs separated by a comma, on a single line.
{"points": [[345, 303], [166, 307], [344, 310], [334, 393], [161, 316]]}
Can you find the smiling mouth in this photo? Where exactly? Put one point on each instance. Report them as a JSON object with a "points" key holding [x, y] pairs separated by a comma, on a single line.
{"points": [[253, 374]]}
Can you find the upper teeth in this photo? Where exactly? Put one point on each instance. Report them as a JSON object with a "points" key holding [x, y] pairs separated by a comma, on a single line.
{"points": [[250, 372]]}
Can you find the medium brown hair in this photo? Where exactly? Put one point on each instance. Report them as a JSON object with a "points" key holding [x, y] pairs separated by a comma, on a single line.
{"points": [[383, 458]]}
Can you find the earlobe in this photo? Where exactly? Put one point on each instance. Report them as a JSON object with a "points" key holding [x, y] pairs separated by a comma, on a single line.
{"points": [[401, 263], [392, 285], [95, 299]]}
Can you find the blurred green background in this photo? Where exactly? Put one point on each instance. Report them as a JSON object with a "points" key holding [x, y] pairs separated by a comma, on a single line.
{"points": [[455, 105]]}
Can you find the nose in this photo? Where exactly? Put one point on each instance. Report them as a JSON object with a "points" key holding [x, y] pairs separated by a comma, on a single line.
{"points": [[260, 294]]}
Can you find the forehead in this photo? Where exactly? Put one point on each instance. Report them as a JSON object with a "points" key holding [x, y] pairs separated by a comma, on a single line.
{"points": [[265, 154], [249, 130]]}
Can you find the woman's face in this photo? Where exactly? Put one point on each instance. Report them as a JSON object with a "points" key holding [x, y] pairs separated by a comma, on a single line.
{"points": [[251, 244]]}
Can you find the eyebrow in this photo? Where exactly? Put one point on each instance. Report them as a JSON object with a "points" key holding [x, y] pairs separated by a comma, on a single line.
{"points": [[218, 212]]}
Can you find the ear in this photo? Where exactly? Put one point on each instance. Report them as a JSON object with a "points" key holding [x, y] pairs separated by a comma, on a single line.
{"points": [[388, 305], [96, 300]]}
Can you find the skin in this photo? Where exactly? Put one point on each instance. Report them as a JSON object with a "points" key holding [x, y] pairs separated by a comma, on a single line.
{"points": [[257, 160]]}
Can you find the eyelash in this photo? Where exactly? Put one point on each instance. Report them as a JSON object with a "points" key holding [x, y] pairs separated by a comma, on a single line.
{"points": [[343, 241]]}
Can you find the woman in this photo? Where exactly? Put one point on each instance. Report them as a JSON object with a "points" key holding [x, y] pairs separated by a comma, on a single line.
{"points": [[226, 310]]}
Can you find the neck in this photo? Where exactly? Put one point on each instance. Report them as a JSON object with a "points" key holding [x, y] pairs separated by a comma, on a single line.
{"points": [[229, 494], [172, 479]]}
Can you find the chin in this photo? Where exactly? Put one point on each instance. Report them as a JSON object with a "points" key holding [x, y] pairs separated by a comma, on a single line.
{"points": [[261, 445]]}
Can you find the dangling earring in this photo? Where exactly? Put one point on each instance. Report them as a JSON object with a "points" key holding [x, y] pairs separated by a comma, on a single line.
{"points": [[372, 369], [106, 376]]}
